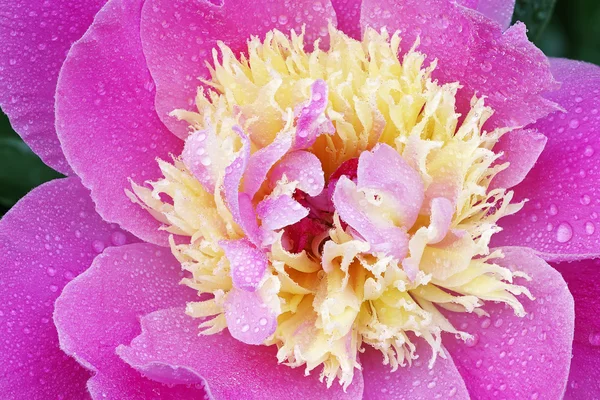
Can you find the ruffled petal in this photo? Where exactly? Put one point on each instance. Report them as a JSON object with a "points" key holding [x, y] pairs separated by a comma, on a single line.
{"points": [[47, 239], [179, 35], [560, 218], [514, 357], [415, 381], [106, 120], [521, 150], [471, 49], [231, 369], [100, 310], [35, 37], [582, 278]]}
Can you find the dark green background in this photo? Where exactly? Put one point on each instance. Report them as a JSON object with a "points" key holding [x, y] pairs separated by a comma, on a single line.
{"points": [[569, 28]]}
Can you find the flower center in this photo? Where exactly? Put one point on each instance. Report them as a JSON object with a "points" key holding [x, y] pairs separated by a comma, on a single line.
{"points": [[332, 200]]}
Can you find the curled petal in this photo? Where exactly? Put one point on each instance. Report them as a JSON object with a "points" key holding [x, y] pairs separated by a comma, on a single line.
{"points": [[203, 156], [399, 186], [240, 204], [262, 161], [380, 234], [312, 121], [302, 167]]}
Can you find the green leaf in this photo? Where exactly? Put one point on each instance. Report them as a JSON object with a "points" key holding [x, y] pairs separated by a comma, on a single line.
{"points": [[20, 170], [535, 14]]}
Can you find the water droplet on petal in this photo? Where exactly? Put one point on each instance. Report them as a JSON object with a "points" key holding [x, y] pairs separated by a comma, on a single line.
{"points": [[564, 233]]}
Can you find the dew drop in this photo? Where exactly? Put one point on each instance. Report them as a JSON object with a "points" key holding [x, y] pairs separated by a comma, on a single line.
{"points": [[594, 339], [51, 271], [245, 328], [564, 233], [590, 228]]}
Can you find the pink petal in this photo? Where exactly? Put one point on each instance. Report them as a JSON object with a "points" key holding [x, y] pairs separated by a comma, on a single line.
{"points": [[179, 34], [199, 154], [416, 381], [311, 121], [232, 370], [249, 319], [279, 212], [383, 237], [385, 170], [442, 211], [348, 17], [303, 167], [240, 204], [500, 11], [513, 357], [261, 162], [521, 149], [100, 310], [582, 278], [472, 50], [47, 238], [106, 120], [248, 264], [35, 37], [560, 219]]}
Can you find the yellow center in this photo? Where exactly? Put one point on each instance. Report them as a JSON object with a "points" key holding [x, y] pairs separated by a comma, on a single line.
{"points": [[335, 296]]}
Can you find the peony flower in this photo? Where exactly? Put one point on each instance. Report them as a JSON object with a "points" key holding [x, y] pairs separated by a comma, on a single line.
{"points": [[309, 199]]}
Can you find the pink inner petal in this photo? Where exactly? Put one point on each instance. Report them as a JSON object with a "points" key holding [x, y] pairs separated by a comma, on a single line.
{"points": [[262, 161], [249, 319], [311, 121], [303, 167], [383, 237], [279, 212], [248, 264], [384, 170], [240, 205]]}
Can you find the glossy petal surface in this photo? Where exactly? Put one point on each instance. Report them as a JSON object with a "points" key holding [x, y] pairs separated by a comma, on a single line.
{"points": [[100, 310], [47, 238], [582, 278], [515, 357], [231, 369], [35, 37], [411, 382], [106, 119], [178, 35], [561, 218]]}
